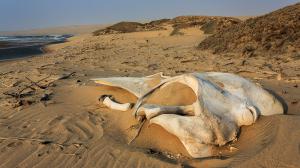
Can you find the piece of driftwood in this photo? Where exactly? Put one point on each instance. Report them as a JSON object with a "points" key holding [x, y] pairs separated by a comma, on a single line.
{"points": [[18, 94], [30, 86], [36, 84], [5, 73], [66, 76]]}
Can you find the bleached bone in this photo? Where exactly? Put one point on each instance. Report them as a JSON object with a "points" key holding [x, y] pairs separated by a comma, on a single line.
{"points": [[148, 110], [135, 85], [152, 110], [107, 101], [224, 102]]}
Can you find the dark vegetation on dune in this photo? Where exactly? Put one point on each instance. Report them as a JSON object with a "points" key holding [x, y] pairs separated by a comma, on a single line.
{"points": [[128, 27], [275, 33], [209, 24]]}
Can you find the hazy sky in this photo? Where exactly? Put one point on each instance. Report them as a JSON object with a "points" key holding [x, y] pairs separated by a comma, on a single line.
{"points": [[27, 14]]}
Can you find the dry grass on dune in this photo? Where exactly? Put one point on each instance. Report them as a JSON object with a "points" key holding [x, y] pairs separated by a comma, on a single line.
{"points": [[208, 24], [277, 32], [128, 27]]}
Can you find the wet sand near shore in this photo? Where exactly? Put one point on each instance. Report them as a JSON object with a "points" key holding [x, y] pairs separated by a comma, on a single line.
{"points": [[19, 52]]}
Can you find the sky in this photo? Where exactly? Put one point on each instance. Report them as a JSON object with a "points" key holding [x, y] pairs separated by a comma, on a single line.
{"points": [[30, 14]]}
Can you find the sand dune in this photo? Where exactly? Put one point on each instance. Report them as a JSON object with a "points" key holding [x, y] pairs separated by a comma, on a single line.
{"points": [[208, 24], [275, 33]]}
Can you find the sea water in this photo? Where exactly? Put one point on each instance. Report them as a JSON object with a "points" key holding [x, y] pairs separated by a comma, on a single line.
{"points": [[12, 47]]}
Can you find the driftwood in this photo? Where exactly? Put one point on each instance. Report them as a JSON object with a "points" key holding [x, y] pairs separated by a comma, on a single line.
{"points": [[66, 76], [5, 73], [36, 84], [30, 86], [18, 94]]}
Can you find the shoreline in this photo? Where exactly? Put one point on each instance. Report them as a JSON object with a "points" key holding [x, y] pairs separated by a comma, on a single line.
{"points": [[26, 51]]}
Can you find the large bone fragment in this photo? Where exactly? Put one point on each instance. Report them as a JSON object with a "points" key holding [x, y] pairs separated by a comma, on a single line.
{"points": [[224, 103], [107, 101]]}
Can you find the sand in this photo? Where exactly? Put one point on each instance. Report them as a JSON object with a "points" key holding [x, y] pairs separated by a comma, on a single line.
{"points": [[58, 122]]}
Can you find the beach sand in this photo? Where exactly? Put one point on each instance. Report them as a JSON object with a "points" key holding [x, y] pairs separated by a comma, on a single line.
{"points": [[59, 122]]}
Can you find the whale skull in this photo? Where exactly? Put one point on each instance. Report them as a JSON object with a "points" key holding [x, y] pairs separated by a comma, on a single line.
{"points": [[224, 102]]}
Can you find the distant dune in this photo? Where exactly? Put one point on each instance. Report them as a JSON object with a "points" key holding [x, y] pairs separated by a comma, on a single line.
{"points": [[208, 24], [75, 29]]}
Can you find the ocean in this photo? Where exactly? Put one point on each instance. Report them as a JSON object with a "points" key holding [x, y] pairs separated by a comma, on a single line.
{"points": [[12, 47]]}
